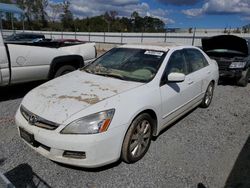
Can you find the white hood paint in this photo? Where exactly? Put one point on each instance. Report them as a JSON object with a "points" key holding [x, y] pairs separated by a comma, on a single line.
{"points": [[60, 98]]}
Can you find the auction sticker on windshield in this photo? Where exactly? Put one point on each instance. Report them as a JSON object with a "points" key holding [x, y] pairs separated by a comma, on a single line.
{"points": [[155, 53]]}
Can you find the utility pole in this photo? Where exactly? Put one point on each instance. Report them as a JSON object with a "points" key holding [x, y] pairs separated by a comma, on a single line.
{"points": [[193, 36]]}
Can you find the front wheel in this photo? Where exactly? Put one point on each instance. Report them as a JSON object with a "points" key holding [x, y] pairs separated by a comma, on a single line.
{"points": [[65, 69], [137, 139], [208, 96]]}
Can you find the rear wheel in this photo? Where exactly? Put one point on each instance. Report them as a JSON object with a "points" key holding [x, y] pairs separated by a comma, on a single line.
{"points": [[208, 96], [243, 81], [65, 69], [137, 139]]}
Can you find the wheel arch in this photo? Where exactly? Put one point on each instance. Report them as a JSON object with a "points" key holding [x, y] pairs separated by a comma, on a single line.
{"points": [[75, 60], [152, 113]]}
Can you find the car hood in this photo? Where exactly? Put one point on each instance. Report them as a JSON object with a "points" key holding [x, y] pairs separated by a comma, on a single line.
{"points": [[60, 98], [228, 42]]}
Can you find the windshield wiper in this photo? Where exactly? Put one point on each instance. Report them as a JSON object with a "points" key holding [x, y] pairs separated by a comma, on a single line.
{"points": [[118, 76], [87, 70]]}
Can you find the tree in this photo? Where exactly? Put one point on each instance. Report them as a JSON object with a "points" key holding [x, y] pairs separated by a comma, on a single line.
{"points": [[135, 15], [153, 24], [110, 18], [107, 19], [126, 24], [42, 5], [56, 10], [37, 18], [67, 18], [35, 12], [137, 22], [113, 14]]}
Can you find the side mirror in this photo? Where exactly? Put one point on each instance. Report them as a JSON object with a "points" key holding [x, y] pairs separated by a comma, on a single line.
{"points": [[176, 77]]}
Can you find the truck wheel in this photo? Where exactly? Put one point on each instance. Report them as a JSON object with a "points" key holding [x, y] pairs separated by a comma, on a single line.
{"points": [[208, 96], [137, 139], [65, 69], [243, 81]]}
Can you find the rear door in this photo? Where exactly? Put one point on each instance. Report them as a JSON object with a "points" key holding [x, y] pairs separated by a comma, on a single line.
{"points": [[198, 71]]}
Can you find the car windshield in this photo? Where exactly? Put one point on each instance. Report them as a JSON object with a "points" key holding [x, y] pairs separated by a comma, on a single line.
{"points": [[128, 64]]}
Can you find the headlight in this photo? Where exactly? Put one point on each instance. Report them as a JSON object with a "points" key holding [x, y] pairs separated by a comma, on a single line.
{"points": [[237, 65], [92, 124]]}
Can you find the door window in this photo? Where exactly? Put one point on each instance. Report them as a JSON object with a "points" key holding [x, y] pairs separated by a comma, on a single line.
{"points": [[195, 60], [176, 64]]}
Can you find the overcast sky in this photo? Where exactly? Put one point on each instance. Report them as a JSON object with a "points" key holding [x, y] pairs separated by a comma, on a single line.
{"points": [[175, 13]]}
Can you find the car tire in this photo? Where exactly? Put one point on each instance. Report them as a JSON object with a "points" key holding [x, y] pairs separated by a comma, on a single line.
{"points": [[65, 69], [137, 139], [243, 81], [208, 96]]}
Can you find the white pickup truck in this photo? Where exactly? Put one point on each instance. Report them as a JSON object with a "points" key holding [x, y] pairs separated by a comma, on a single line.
{"points": [[25, 62]]}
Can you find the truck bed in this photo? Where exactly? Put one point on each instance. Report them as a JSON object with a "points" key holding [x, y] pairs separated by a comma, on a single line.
{"points": [[47, 44]]}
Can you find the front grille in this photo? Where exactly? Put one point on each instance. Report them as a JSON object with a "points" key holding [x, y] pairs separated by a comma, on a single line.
{"points": [[224, 65], [225, 62], [37, 121]]}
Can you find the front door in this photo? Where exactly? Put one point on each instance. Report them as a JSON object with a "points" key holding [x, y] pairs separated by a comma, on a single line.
{"points": [[177, 97]]}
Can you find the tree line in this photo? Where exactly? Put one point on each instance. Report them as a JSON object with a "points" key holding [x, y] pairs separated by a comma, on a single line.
{"points": [[61, 18]]}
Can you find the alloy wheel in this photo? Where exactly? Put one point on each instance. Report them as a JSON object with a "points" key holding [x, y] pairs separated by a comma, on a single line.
{"points": [[140, 139]]}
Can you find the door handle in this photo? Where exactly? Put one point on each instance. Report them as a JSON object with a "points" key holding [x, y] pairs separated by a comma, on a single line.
{"points": [[208, 72], [190, 82]]}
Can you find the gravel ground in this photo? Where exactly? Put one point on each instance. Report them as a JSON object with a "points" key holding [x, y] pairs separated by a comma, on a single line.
{"points": [[207, 148]]}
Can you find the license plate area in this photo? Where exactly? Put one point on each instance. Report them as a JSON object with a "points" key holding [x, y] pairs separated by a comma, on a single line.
{"points": [[28, 137]]}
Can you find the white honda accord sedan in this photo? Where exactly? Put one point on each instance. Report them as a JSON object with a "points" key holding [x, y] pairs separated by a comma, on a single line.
{"points": [[112, 108]]}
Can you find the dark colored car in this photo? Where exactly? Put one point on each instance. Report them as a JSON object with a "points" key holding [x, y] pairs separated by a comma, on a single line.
{"points": [[232, 55], [25, 37]]}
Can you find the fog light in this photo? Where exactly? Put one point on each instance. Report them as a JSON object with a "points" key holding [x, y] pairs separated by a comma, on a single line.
{"points": [[74, 154]]}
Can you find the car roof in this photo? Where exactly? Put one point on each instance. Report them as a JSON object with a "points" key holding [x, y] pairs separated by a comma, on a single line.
{"points": [[155, 46]]}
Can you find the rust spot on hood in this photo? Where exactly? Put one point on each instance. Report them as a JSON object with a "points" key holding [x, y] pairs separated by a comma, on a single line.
{"points": [[93, 84], [92, 99]]}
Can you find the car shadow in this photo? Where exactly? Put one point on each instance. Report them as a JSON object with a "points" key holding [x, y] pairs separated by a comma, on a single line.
{"points": [[97, 169], [201, 185], [17, 91], [239, 177], [175, 87], [23, 176], [172, 124], [228, 82], [2, 160]]}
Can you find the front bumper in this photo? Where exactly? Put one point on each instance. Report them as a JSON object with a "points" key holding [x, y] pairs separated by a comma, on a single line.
{"points": [[234, 73], [100, 149]]}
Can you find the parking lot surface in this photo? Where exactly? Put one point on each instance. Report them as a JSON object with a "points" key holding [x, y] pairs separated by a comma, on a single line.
{"points": [[206, 148]]}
